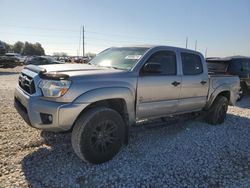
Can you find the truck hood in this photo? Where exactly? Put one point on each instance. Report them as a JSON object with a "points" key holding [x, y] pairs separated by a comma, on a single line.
{"points": [[79, 69]]}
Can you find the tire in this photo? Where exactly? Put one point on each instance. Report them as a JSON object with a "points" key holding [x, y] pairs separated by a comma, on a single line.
{"points": [[243, 90], [98, 135], [218, 110]]}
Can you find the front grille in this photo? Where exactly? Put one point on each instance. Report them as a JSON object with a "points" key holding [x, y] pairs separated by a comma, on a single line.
{"points": [[27, 83]]}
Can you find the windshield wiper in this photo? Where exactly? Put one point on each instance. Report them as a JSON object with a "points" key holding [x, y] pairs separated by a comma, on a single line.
{"points": [[111, 67], [114, 67]]}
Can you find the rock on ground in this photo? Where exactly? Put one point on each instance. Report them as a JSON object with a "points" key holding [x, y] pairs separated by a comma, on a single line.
{"points": [[178, 153]]}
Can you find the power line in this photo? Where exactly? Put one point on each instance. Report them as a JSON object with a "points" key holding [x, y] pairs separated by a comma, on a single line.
{"points": [[44, 36], [39, 28], [69, 37], [121, 41], [105, 37], [54, 36], [112, 41], [90, 31], [68, 43], [130, 36]]}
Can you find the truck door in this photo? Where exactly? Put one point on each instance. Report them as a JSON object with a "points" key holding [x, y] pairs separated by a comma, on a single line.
{"points": [[194, 89], [158, 92]]}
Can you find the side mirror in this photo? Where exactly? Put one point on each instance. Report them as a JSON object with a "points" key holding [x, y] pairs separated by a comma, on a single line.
{"points": [[152, 67]]}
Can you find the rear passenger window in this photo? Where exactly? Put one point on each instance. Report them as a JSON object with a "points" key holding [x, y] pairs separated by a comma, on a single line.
{"points": [[191, 64], [167, 60]]}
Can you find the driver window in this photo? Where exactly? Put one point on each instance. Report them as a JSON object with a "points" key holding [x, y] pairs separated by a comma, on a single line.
{"points": [[167, 60]]}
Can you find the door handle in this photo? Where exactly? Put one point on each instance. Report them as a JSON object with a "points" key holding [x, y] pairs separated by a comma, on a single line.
{"points": [[203, 82], [175, 83]]}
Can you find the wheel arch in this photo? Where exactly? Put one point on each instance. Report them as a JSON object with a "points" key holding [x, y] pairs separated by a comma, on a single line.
{"points": [[119, 99], [243, 84], [220, 92]]}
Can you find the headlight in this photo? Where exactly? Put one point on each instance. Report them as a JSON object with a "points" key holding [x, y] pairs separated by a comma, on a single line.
{"points": [[54, 88]]}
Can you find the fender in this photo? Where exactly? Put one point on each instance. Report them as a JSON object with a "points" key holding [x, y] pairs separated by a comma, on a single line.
{"points": [[217, 91], [105, 93]]}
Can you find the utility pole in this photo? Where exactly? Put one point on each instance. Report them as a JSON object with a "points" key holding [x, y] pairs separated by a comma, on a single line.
{"points": [[187, 42], [83, 46], [79, 47], [206, 53], [195, 45]]}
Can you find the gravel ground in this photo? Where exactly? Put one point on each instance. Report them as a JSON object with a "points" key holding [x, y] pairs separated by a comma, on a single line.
{"points": [[178, 153]]}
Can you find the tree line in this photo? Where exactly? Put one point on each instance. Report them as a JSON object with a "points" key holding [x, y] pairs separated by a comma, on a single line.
{"points": [[24, 48]]}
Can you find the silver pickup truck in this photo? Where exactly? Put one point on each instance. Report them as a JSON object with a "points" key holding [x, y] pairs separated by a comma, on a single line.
{"points": [[99, 101]]}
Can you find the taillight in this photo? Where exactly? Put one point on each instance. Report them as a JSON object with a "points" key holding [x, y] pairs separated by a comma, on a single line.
{"points": [[227, 73]]}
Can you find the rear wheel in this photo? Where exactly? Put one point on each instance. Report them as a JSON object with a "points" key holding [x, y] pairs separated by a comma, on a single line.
{"points": [[218, 110], [98, 135]]}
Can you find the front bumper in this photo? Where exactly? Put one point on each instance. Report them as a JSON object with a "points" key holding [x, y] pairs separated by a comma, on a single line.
{"points": [[31, 107]]}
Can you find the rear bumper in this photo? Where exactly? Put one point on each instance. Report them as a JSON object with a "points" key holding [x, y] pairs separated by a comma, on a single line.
{"points": [[31, 107]]}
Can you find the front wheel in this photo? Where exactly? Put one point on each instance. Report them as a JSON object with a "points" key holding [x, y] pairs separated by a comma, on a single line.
{"points": [[98, 135], [218, 110]]}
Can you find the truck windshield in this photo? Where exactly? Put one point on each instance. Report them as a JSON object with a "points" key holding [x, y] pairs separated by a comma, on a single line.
{"points": [[119, 58]]}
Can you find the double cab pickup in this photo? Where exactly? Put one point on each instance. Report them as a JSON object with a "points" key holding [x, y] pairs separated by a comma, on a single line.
{"points": [[100, 100]]}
